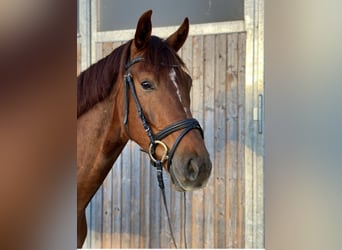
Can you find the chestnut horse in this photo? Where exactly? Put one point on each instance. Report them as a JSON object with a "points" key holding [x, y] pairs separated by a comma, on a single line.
{"points": [[141, 91]]}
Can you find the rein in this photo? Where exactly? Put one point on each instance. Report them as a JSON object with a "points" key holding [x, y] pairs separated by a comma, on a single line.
{"points": [[156, 139]]}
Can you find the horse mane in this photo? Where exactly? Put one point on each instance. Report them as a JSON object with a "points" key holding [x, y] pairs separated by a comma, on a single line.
{"points": [[95, 83]]}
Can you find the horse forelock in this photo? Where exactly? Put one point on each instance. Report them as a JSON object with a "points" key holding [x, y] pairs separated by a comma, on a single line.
{"points": [[159, 55]]}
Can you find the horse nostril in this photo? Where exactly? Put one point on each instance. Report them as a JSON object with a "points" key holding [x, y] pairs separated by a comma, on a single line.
{"points": [[192, 170]]}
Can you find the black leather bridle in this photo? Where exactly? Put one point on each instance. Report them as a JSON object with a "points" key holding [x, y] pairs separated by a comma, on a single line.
{"points": [[156, 139]]}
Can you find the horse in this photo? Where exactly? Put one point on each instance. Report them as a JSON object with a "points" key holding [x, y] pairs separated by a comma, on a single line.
{"points": [[139, 92]]}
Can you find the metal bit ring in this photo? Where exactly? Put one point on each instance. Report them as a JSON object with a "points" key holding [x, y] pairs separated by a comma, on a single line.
{"points": [[151, 151]]}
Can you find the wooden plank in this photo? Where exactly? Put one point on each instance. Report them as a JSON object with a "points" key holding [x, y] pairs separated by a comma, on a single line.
{"points": [[165, 234], [249, 107], [186, 55], [92, 22], [220, 140], [176, 207], [241, 139], [208, 126], [135, 196], [98, 51], [254, 226], [84, 36], [195, 30], [96, 220], [116, 201], [145, 197], [107, 48], [107, 211], [155, 208], [87, 242], [126, 196], [197, 104], [232, 131], [259, 163]]}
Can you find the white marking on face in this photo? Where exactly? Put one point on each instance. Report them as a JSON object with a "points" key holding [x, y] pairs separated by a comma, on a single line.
{"points": [[172, 75]]}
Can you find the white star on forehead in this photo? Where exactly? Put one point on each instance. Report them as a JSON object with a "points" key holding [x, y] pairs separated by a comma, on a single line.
{"points": [[172, 75]]}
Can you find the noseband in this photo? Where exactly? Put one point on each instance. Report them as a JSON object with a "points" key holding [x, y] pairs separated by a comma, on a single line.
{"points": [[155, 139]]}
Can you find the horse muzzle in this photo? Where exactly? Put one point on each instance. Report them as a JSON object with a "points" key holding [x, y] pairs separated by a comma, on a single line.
{"points": [[190, 174]]}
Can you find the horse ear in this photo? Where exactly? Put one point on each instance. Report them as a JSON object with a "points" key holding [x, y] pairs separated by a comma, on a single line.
{"points": [[177, 39], [143, 31]]}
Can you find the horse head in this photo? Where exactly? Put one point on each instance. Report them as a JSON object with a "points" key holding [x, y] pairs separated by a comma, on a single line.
{"points": [[156, 113]]}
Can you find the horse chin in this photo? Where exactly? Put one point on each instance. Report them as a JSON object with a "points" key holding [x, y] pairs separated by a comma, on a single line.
{"points": [[176, 184]]}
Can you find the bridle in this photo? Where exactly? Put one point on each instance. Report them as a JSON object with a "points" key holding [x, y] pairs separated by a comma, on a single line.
{"points": [[156, 139]]}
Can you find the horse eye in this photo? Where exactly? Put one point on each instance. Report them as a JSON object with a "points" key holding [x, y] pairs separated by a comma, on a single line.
{"points": [[147, 85]]}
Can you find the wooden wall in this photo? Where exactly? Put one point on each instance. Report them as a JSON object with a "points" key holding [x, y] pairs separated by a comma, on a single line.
{"points": [[127, 211]]}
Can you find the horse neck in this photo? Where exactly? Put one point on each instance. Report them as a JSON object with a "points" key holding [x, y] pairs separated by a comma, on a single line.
{"points": [[100, 140]]}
